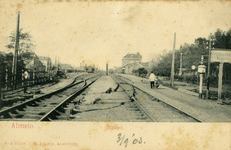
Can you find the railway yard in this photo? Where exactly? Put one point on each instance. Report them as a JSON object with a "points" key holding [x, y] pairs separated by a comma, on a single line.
{"points": [[113, 98], [86, 75]]}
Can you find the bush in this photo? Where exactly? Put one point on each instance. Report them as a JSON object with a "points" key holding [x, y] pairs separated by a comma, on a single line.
{"points": [[179, 78], [186, 78], [214, 81], [142, 72]]}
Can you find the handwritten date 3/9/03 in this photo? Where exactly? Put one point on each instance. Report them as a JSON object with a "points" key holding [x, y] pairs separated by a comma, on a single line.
{"points": [[133, 140]]}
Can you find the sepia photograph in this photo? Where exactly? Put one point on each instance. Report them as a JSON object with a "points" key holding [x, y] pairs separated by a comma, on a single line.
{"points": [[115, 74]]}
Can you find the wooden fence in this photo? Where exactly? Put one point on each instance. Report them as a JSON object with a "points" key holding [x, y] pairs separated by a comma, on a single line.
{"points": [[23, 79]]}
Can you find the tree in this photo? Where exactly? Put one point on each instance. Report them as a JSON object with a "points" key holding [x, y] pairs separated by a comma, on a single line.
{"points": [[192, 55], [154, 60], [5, 67], [201, 43], [142, 71], [26, 47], [222, 39], [24, 41], [228, 39], [164, 66]]}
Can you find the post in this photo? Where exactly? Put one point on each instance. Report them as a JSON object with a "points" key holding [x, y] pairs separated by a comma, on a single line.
{"points": [[6, 79], [23, 81], [1, 97], [208, 75], [25, 86], [55, 61], [107, 69], [58, 63], [50, 71], [15, 59], [220, 80], [173, 61], [180, 63], [33, 76], [201, 84]]}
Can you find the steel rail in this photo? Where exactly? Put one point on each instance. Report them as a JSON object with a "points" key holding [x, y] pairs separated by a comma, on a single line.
{"points": [[133, 98], [3, 112], [182, 111], [46, 116]]}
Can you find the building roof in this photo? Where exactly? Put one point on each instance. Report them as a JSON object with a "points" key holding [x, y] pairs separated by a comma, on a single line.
{"points": [[44, 58], [30, 64], [145, 64], [77, 68], [137, 55], [66, 66], [132, 63]]}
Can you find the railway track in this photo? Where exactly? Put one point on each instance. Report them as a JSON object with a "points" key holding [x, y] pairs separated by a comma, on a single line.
{"points": [[137, 111], [42, 108], [111, 104], [134, 106], [155, 109], [11, 103], [61, 110]]}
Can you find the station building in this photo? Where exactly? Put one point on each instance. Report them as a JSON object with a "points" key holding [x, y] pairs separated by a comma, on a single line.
{"points": [[131, 58], [131, 62]]}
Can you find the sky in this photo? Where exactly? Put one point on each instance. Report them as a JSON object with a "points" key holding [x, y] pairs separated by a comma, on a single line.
{"points": [[101, 32]]}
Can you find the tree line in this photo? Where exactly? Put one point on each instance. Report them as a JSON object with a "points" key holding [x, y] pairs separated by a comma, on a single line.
{"points": [[191, 54]]}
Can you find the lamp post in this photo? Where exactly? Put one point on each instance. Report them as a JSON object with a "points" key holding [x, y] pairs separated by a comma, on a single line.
{"points": [[201, 71]]}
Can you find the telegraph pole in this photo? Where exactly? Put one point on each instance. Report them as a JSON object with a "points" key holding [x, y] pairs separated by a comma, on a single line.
{"points": [[15, 58], [173, 61], [208, 75]]}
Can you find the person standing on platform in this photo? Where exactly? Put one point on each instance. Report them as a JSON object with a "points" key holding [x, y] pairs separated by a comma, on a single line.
{"points": [[152, 79]]}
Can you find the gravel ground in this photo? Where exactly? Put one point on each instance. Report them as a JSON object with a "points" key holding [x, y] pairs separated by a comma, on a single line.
{"points": [[107, 106], [192, 89], [206, 110]]}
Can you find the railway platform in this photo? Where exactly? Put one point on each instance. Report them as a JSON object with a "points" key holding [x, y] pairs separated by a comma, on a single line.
{"points": [[203, 110]]}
